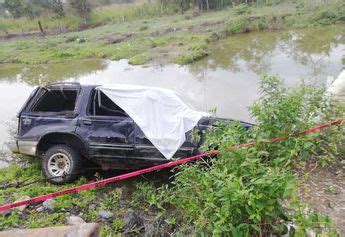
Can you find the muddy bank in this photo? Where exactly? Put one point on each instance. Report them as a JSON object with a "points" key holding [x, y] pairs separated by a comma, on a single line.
{"points": [[323, 189]]}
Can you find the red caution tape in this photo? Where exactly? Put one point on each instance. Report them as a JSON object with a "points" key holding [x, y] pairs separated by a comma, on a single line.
{"points": [[157, 167]]}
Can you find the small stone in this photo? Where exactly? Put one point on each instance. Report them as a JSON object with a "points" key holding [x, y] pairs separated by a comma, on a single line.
{"points": [[75, 220], [149, 230], [119, 191], [105, 214], [22, 208], [131, 219], [40, 209], [49, 204], [92, 206]]}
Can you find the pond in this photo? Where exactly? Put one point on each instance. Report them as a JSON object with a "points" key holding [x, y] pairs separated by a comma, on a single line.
{"points": [[226, 81]]}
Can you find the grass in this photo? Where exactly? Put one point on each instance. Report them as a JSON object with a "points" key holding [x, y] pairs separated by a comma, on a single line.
{"points": [[139, 59], [146, 33], [103, 198], [194, 53], [117, 13]]}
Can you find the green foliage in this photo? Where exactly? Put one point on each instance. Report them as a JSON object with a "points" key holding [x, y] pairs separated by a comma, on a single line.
{"points": [[194, 53], [82, 7], [52, 219], [325, 17], [57, 7], [13, 220], [236, 193], [18, 8], [282, 111], [159, 41], [242, 9], [139, 59], [238, 26], [242, 191]]}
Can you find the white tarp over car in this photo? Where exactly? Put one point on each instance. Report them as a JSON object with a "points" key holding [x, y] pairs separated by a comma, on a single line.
{"points": [[160, 113]]}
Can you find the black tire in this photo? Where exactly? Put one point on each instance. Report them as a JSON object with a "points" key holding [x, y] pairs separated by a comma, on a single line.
{"points": [[65, 155]]}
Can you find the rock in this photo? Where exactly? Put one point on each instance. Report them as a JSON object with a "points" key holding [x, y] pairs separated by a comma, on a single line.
{"points": [[119, 191], [149, 230], [131, 219], [82, 230], [92, 206], [49, 204], [75, 220], [105, 214], [311, 233], [40, 209], [22, 208]]}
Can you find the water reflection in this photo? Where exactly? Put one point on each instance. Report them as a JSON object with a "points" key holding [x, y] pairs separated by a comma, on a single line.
{"points": [[226, 80], [48, 73], [309, 53]]}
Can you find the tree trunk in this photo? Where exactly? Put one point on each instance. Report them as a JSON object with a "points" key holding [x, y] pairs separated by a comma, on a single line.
{"points": [[41, 28]]}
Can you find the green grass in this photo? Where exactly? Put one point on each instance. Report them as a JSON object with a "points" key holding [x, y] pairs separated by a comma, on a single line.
{"points": [[107, 198], [150, 34], [194, 53], [117, 13], [139, 59]]}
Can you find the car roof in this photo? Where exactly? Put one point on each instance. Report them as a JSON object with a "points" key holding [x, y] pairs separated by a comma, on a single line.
{"points": [[68, 85]]}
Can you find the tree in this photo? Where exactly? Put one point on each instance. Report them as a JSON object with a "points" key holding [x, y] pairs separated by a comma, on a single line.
{"points": [[82, 8], [57, 7], [15, 7]]}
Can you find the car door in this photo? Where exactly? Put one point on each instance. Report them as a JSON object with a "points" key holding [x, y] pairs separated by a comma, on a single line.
{"points": [[49, 109], [107, 129], [145, 149]]}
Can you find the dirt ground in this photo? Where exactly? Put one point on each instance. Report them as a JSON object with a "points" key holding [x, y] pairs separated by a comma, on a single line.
{"points": [[324, 191]]}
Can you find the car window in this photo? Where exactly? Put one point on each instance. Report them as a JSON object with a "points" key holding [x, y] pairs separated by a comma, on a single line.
{"points": [[62, 100], [102, 105]]}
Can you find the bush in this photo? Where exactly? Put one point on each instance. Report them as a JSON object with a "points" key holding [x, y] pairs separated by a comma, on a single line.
{"points": [[242, 9], [139, 59], [247, 191], [238, 26], [194, 53]]}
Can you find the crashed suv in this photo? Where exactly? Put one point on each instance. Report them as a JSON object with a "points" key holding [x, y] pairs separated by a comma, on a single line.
{"points": [[115, 127]]}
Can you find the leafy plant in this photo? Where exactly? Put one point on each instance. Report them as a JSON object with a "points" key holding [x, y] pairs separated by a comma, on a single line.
{"points": [[246, 191], [238, 26]]}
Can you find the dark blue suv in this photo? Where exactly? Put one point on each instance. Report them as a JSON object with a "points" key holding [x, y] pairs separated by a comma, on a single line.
{"points": [[67, 124]]}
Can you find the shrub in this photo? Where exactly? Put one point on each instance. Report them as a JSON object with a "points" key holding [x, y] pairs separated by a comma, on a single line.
{"points": [[242, 9], [194, 53], [238, 26], [139, 59], [242, 191]]}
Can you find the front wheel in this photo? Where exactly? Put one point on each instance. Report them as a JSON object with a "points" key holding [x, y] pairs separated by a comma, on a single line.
{"points": [[61, 164]]}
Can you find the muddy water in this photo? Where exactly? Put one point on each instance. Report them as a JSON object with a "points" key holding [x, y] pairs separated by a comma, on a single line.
{"points": [[226, 80]]}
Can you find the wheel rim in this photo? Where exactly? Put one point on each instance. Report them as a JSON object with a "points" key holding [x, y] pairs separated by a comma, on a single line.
{"points": [[59, 164]]}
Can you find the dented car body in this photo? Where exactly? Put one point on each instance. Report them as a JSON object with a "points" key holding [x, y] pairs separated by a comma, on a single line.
{"points": [[68, 119]]}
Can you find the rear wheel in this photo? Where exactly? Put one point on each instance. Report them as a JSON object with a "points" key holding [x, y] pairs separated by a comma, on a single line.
{"points": [[61, 164]]}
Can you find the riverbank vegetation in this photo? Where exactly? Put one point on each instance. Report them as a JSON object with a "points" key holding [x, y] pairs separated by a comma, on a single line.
{"points": [[152, 31], [242, 192]]}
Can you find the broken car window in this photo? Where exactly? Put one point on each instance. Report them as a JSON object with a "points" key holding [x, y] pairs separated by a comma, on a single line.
{"points": [[56, 101], [102, 105]]}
